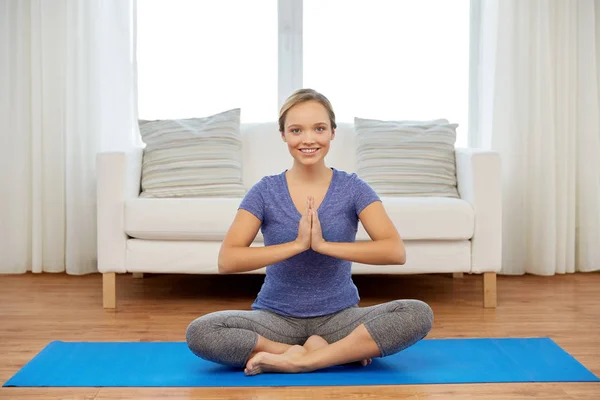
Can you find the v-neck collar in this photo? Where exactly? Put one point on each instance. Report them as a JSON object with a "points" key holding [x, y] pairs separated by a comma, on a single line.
{"points": [[290, 201]]}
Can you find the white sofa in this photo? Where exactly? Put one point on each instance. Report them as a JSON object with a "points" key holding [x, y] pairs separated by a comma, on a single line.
{"points": [[183, 235]]}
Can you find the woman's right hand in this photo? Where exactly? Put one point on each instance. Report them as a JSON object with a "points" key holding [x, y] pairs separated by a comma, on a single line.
{"points": [[304, 227]]}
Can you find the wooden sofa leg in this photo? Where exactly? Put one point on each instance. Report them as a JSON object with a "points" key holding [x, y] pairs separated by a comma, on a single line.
{"points": [[137, 275], [109, 289], [489, 290]]}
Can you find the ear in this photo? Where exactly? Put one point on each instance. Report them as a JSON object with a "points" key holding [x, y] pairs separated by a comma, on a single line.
{"points": [[332, 133]]}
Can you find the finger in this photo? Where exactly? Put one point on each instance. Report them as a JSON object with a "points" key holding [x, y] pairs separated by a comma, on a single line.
{"points": [[307, 210]]}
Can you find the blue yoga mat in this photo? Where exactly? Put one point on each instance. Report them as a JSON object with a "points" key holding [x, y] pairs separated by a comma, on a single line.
{"points": [[430, 361]]}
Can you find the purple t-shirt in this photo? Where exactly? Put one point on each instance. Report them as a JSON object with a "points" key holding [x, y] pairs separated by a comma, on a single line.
{"points": [[308, 284]]}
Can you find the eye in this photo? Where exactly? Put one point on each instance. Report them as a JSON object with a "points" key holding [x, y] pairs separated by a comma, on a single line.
{"points": [[295, 130], [321, 128]]}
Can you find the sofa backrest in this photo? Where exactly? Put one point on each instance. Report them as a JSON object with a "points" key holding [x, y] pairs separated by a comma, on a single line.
{"points": [[265, 153]]}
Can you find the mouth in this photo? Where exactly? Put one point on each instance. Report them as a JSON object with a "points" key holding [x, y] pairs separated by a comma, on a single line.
{"points": [[309, 151]]}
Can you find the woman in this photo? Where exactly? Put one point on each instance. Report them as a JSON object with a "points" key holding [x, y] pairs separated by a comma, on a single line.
{"points": [[306, 315]]}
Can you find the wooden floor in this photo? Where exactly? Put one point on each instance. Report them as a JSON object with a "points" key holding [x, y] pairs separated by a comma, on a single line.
{"points": [[36, 309]]}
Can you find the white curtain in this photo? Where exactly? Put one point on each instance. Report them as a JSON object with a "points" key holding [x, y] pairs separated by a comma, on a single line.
{"points": [[67, 78], [536, 101]]}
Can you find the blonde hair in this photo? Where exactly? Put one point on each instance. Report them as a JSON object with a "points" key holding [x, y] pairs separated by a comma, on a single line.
{"points": [[301, 96]]}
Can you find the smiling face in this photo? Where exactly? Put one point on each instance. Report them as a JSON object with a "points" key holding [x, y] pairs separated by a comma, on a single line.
{"points": [[308, 132]]}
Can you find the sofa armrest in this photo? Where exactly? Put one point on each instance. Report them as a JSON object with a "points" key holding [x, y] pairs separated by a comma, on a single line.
{"points": [[479, 176], [118, 179]]}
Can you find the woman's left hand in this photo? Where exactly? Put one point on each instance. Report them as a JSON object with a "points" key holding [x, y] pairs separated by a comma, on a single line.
{"points": [[316, 237]]}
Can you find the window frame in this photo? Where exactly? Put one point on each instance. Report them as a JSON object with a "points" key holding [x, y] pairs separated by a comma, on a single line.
{"points": [[289, 45]]}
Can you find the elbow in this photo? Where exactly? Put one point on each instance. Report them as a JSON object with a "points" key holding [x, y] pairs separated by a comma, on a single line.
{"points": [[399, 253], [402, 258], [222, 270], [399, 258], [223, 264]]}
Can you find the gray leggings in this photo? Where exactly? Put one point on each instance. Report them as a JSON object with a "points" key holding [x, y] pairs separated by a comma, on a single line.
{"points": [[229, 337]]}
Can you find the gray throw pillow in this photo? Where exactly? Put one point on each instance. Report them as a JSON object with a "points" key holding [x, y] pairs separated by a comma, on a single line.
{"points": [[407, 158], [196, 157]]}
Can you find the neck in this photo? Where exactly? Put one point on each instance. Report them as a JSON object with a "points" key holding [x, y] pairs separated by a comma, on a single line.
{"points": [[310, 173]]}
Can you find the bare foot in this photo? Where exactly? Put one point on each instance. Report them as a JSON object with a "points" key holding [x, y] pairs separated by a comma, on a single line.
{"points": [[268, 346], [267, 362], [289, 361], [366, 362]]}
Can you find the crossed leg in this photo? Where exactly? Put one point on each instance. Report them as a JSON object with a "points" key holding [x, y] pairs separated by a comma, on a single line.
{"points": [[262, 341], [356, 347], [233, 337], [392, 327]]}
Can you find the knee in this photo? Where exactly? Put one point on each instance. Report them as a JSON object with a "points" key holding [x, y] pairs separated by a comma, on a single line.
{"points": [[199, 335], [194, 334], [423, 316]]}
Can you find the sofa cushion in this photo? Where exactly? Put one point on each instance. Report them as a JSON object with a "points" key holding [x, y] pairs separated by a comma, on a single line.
{"points": [[430, 218], [180, 218], [407, 158]]}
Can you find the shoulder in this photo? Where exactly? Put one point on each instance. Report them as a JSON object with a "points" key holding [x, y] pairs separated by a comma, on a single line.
{"points": [[268, 186], [356, 189], [261, 194], [351, 181], [269, 182]]}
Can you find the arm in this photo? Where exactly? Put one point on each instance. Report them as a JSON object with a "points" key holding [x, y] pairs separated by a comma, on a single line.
{"points": [[118, 179], [236, 255], [386, 247], [479, 177]]}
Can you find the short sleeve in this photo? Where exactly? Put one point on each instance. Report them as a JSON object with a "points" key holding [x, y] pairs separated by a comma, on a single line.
{"points": [[253, 201], [364, 194]]}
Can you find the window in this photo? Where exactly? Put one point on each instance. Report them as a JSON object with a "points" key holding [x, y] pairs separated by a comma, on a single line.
{"points": [[196, 58], [388, 59]]}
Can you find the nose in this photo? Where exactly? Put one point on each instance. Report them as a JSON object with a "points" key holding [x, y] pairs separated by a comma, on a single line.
{"points": [[308, 136]]}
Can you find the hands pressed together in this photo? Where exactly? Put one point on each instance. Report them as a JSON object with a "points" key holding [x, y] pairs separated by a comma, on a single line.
{"points": [[310, 235]]}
